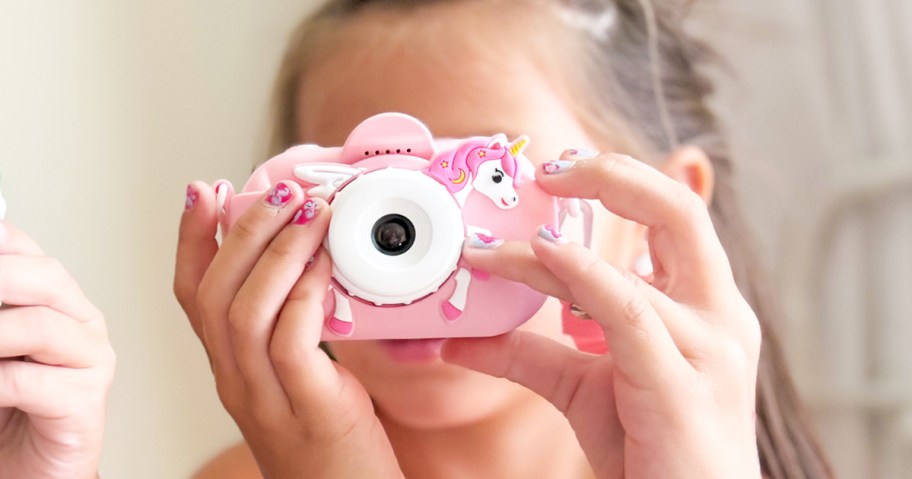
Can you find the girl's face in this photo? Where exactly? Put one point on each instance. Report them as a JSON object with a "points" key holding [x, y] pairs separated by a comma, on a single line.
{"points": [[457, 90]]}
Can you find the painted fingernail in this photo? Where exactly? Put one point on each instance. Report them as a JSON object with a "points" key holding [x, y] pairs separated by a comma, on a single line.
{"points": [[583, 153], [483, 241], [549, 233], [278, 196], [557, 166], [306, 213], [192, 198]]}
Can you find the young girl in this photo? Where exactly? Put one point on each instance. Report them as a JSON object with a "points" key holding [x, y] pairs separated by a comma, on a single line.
{"points": [[56, 367], [677, 395]]}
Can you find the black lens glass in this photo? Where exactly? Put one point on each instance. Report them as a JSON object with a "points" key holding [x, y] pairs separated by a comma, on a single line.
{"points": [[393, 234]]}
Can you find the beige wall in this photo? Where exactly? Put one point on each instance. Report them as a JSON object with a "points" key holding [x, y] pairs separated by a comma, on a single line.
{"points": [[107, 110]]}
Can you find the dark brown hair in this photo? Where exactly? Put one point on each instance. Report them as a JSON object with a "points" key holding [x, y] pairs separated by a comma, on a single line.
{"points": [[641, 87]]}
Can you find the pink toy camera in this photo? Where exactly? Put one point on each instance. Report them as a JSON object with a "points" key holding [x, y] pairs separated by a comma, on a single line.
{"points": [[402, 206]]}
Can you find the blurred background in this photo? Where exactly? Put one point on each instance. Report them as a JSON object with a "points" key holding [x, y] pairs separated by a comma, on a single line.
{"points": [[108, 109]]}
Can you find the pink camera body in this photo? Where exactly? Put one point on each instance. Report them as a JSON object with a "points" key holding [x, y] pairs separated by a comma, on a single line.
{"points": [[403, 204]]}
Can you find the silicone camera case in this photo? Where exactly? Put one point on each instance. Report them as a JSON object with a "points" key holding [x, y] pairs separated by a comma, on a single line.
{"points": [[402, 205]]}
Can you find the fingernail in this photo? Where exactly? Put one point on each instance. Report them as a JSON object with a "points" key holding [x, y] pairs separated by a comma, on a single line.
{"points": [[278, 196], [306, 213], [583, 153], [549, 233], [192, 198], [557, 166], [483, 241]]}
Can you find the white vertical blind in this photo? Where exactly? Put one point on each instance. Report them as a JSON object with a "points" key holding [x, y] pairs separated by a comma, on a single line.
{"points": [[821, 121], [850, 291]]}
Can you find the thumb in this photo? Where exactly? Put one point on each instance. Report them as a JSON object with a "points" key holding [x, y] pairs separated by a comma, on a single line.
{"points": [[547, 367]]}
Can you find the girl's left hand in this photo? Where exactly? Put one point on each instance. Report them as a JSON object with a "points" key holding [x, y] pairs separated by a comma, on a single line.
{"points": [[56, 367], [674, 397]]}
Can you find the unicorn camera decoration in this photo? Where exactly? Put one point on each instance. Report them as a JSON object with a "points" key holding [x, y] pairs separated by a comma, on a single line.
{"points": [[402, 206]]}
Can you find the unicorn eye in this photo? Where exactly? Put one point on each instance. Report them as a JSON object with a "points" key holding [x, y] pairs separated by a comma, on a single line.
{"points": [[497, 176]]}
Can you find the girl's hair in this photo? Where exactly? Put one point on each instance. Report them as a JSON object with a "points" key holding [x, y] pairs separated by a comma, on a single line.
{"points": [[639, 88]]}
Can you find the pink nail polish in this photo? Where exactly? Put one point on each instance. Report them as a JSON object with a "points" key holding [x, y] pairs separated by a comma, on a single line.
{"points": [[192, 197], [278, 196], [307, 212], [551, 234]]}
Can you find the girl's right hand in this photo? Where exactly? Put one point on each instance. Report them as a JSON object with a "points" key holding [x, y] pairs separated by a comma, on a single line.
{"points": [[257, 307]]}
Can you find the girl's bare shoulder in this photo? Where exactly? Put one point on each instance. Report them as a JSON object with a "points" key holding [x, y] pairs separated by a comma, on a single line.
{"points": [[236, 462]]}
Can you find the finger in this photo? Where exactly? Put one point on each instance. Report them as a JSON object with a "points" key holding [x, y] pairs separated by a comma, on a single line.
{"points": [[251, 234], [196, 246], [256, 307], [690, 263], [48, 337], [241, 249], [515, 261], [550, 369], [42, 281], [307, 374], [37, 389], [637, 338], [14, 241], [573, 381]]}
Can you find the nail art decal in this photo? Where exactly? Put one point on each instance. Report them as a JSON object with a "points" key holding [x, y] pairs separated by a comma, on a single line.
{"points": [[306, 213], [555, 167], [483, 241], [278, 196], [192, 197], [548, 232]]}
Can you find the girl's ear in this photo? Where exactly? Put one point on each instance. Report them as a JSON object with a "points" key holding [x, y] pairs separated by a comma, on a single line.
{"points": [[691, 165]]}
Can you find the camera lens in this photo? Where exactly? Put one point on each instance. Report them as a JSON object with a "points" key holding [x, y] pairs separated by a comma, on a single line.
{"points": [[393, 234]]}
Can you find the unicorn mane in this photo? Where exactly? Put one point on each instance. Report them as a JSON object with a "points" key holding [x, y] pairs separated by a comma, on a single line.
{"points": [[456, 168]]}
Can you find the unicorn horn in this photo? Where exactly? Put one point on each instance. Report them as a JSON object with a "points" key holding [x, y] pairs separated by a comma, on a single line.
{"points": [[519, 145]]}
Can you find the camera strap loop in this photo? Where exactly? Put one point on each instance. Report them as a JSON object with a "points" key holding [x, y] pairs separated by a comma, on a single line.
{"points": [[575, 208], [587, 334]]}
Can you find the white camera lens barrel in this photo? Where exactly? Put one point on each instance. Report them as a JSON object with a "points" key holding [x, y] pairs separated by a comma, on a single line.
{"points": [[422, 214]]}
